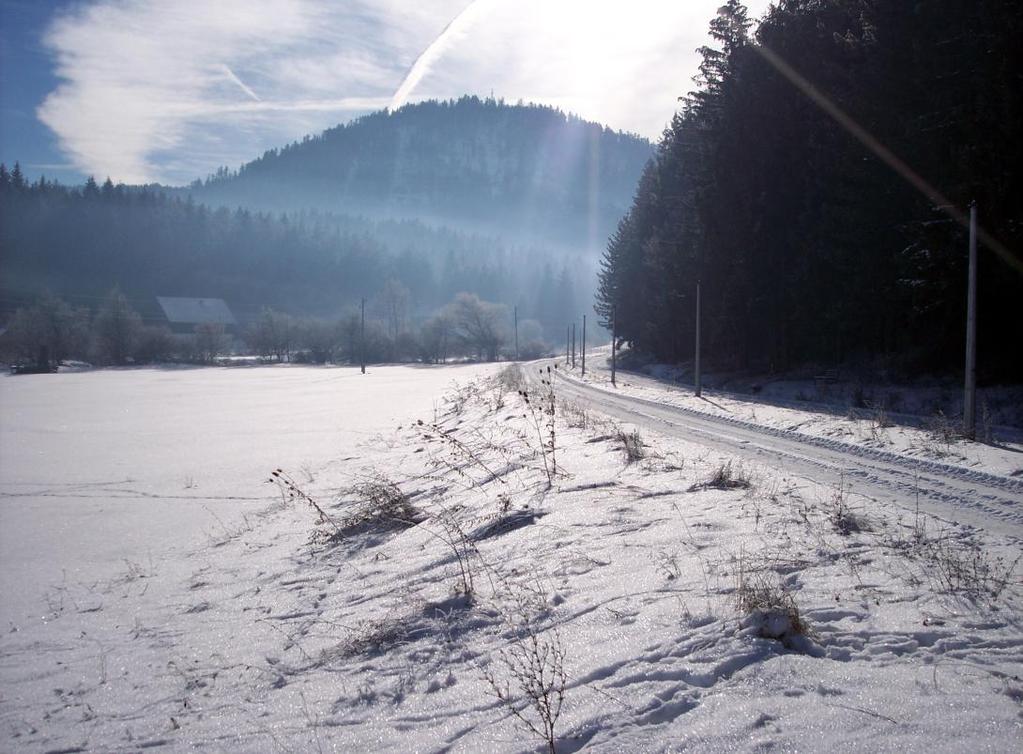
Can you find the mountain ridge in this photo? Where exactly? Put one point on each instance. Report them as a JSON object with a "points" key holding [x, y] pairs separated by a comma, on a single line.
{"points": [[519, 171]]}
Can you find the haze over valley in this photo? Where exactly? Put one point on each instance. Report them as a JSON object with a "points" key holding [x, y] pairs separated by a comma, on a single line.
{"points": [[514, 377]]}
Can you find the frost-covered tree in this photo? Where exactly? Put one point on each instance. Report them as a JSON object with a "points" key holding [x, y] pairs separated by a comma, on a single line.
{"points": [[480, 324], [273, 335], [210, 341], [47, 333], [116, 330]]}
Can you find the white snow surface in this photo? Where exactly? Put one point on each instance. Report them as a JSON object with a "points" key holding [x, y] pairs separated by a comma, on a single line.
{"points": [[159, 594], [934, 438]]}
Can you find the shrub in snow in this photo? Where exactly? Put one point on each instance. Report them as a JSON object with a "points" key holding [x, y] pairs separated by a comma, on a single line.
{"points": [[379, 505], [633, 446], [768, 610], [726, 477], [532, 669]]}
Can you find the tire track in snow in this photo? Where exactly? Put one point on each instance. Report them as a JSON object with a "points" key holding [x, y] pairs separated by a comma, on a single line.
{"points": [[952, 493]]}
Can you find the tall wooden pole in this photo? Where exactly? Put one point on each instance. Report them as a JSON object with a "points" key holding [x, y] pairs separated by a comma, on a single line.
{"points": [[699, 386], [614, 345], [568, 344], [516, 333], [573, 345], [362, 338], [583, 349], [970, 397]]}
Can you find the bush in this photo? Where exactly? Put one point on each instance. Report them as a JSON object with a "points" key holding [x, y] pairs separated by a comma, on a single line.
{"points": [[210, 341], [725, 477], [380, 505], [155, 344], [47, 333], [116, 329], [535, 665], [321, 340], [768, 609], [633, 446]]}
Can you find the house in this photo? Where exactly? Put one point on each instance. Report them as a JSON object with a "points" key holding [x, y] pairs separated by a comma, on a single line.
{"points": [[183, 314]]}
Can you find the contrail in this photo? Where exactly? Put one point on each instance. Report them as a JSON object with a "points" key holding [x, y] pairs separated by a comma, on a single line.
{"points": [[436, 48], [241, 84]]}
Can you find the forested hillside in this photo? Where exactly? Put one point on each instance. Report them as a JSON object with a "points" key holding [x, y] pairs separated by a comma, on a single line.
{"points": [[809, 247], [78, 243], [514, 170], [510, 203]]}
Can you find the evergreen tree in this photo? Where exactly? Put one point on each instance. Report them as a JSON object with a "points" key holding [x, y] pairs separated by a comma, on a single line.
{"points": [[809, 248]]}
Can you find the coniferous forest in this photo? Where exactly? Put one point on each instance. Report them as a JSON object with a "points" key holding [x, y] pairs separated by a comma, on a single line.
{"points": [[510, 203], [78, 243], [808, 246], [528, 170]]}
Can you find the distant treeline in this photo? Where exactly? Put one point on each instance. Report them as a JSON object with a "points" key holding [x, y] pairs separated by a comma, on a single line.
{"points": [[808, 246], [50, 332], [79, 242]]}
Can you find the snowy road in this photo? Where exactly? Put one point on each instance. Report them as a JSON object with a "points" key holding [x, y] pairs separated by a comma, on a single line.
{"points": [[976, 499]]}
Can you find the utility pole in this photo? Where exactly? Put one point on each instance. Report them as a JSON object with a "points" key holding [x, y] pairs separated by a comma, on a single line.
{"points": [[573, 345], [583, 349], [568, 344], [614, 345], [970, 397], [699, 387], [362, 338], [516, 333]]}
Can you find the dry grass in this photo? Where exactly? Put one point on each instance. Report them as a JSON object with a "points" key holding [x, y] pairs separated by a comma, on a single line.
{"points": [[633, 447], [767, 606], [726, 477], [379, 505]]}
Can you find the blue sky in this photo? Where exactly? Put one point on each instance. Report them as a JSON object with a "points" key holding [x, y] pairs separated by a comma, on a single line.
{"points": [[169, 90], [26, 77]]}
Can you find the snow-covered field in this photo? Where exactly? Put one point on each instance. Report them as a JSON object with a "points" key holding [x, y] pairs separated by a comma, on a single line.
{"points": [[474, 570]]}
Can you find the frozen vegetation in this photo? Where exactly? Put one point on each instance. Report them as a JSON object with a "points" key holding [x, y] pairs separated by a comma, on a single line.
{"points": [[468, 559]]}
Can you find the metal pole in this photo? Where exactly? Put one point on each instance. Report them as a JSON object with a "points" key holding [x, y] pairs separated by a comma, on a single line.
{"points": [[362, 338], [614, 345], [699, 387], [583, 349], [516, 333], [970, 397]]}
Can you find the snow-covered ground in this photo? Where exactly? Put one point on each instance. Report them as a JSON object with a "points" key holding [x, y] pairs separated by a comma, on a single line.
{"points": [[102, 469], [929, 435], [673, 593]]}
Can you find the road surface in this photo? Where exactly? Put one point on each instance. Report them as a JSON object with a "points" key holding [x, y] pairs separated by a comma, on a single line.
{"points": [[968, 497]]}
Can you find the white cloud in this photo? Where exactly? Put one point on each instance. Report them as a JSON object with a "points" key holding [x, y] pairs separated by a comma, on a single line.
{"points": [[168, 91]]}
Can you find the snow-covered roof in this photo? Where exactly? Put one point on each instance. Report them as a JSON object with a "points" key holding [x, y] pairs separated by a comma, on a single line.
{"points": [[196, 310]]}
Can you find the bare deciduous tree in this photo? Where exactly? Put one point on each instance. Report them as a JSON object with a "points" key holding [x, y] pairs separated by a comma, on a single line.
{"points": [[480, 324], [435, 337], [47, 332], [273, 335], [394, 299], [116, 329], [210, 341]]}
